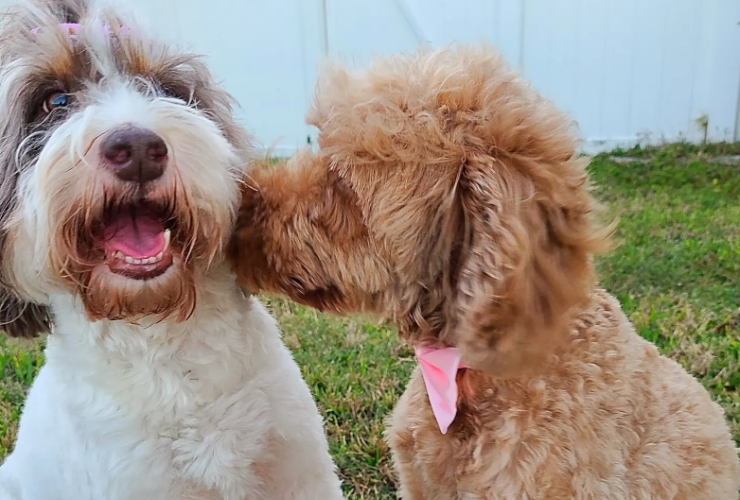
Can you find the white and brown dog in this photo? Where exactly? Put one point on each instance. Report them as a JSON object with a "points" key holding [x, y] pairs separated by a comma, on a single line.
{"points": [[120, 183]]}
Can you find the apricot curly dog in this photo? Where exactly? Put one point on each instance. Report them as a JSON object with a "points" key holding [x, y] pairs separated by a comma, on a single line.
{"points": [[448, 197]]}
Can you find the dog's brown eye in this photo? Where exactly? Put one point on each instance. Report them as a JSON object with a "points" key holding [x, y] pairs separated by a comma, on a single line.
{"points": [[55, 100]]}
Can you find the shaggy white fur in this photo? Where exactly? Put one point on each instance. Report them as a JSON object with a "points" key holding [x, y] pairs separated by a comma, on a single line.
{"points": [[212, 408]]}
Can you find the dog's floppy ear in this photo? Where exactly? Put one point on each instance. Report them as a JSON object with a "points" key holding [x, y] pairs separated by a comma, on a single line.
{"points": [[18, 318], [22, 319], [526, 260]]}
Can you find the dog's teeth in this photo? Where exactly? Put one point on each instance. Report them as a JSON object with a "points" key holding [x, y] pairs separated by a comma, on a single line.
{"points": [[147, 260]]}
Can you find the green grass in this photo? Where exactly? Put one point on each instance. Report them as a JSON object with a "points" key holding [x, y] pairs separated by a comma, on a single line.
{"points": [[677, 274], [680, 151]]}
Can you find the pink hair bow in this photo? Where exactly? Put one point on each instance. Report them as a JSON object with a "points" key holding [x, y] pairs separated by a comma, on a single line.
{"points": [[439, 369], [73, 29]]}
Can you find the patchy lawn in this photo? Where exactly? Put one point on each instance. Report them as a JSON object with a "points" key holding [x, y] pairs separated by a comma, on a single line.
{"points": [[677, 274]]}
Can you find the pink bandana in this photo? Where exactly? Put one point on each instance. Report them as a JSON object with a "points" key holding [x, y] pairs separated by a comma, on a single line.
{"points": [[438, 369]]}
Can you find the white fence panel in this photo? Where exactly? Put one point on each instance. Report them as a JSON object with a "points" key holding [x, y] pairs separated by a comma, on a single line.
{"points": [[359, 30], [635, 69]]}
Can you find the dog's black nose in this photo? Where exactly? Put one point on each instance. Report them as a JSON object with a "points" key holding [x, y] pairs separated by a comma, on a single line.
{"points": [[135, 154]]}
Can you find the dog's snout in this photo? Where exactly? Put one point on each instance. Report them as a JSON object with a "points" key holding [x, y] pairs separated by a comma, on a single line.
{"points": [[135, 154]]}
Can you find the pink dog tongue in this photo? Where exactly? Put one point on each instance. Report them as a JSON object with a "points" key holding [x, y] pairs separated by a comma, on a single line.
{"points": [[136, 235]]}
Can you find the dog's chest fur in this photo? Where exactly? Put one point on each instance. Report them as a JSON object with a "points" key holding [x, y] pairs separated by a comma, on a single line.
{"points": [[186, 402], [591, 425]]}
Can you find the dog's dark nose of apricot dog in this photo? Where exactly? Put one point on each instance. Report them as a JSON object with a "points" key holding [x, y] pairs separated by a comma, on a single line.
{"points": [[135, 154]]}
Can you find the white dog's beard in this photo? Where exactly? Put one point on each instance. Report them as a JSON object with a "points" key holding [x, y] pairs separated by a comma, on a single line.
{"points": [[132, 250], [133, 261]]}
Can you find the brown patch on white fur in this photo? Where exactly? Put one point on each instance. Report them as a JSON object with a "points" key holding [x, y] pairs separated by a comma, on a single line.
{"points": [[447, 196]]}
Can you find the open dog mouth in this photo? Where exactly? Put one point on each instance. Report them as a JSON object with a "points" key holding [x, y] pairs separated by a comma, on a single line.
{"points": [[137, 241]]}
